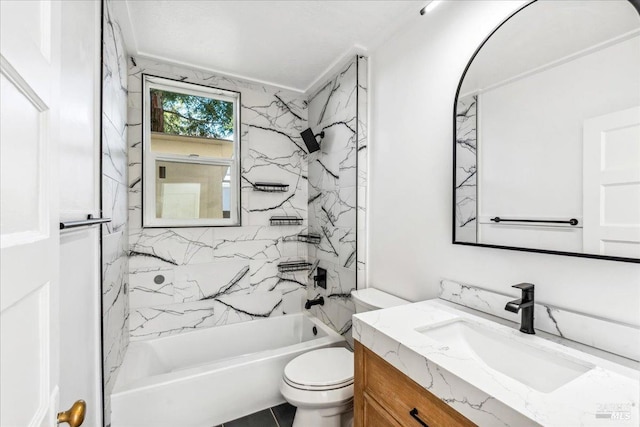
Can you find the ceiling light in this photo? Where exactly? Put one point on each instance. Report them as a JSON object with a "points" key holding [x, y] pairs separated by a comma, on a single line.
{"points": [[430, 6]]}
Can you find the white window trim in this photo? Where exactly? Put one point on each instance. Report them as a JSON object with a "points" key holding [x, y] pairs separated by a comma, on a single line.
{"points": [[149, 157]]}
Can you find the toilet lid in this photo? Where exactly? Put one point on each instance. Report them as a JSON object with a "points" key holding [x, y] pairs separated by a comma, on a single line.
{"points": [[324, 368]]}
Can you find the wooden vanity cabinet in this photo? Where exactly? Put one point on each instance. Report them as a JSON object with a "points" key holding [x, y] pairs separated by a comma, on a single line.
{"points": [[384, 396]]}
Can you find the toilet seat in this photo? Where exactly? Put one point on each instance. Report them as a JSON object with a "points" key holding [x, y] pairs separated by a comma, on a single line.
{"points": [[320, 370]]}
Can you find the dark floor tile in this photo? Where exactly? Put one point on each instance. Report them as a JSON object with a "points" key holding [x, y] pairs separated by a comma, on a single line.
{"points": [[259, 419], [284, 413]]}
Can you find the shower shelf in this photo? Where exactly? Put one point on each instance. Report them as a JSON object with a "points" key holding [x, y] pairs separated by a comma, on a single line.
{"points": [[285, 220], [289, 266], [270, 187], [308, 238]]}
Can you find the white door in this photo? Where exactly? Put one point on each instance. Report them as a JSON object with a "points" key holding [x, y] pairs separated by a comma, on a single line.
{"points": [[612, 184], [29, 257], [79, 166]]}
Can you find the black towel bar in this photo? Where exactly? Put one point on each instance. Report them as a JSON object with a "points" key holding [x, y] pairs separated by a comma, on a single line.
{"points": [[571, 221], [84, 223]]}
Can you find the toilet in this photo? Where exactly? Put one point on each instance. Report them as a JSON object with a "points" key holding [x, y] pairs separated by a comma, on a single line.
{"points": [[370, 299], [320, 383]]}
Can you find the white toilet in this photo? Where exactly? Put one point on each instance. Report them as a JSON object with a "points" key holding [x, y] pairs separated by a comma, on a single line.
{"points": [[320, 383]]}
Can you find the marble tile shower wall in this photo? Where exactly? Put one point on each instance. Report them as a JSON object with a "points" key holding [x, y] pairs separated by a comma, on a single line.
{"points": [[362, 168], [466, 165], [114, 204], [186, 278], [337, 190]]}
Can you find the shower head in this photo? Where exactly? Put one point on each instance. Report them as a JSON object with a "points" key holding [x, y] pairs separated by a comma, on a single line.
{"points": [[310, 139]]}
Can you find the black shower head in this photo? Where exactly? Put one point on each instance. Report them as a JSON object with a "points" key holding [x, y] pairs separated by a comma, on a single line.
{"points": [[310, 140]]}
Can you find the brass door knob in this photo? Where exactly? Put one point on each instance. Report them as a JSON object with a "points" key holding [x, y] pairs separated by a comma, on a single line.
{"points": [[75, 415]]}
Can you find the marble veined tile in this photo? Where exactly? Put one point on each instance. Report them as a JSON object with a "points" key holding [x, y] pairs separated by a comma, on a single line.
{"points": [[114, 270], [164, 320], [163, 247], [114, 180], [336, 313], [255, 304], [334, 182], [329, 247], [345, 210], [274, 142], [266, 277], [114, 151], [225, 275], [347, 248], [340, 281], [278, 111], [114, 205], [293, 298], [249, 243], [151, 287], [466, 166], [339, 136], [362, 166], [348, 167], [324, 173], [195, 282], [148, 322], [261, 206], [336, 99]]}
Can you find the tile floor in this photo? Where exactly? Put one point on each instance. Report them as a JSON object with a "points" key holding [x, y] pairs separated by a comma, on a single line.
{"points": [[278, 416]]}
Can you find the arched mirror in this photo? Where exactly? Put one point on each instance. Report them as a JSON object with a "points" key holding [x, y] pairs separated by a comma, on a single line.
{"points": [[547, 133]]}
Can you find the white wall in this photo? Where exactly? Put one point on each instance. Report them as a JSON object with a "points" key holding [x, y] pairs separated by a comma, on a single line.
{"points": [[532, 171], [414, 76]]}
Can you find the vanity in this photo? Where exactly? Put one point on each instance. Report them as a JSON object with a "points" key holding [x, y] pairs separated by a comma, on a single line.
{"points": [[384, 396], [437, 363]]}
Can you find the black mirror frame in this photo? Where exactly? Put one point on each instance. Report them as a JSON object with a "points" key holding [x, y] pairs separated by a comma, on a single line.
{"points": [[636, 5]]}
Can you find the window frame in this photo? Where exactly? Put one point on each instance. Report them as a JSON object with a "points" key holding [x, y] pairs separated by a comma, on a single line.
{"points": [[149, 158]]}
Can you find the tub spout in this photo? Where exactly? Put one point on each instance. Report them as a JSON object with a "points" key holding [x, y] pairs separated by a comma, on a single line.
{"points": [[311, 302]]}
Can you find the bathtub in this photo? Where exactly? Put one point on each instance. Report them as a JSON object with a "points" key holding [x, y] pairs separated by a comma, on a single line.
{"points": [[213, 375]]}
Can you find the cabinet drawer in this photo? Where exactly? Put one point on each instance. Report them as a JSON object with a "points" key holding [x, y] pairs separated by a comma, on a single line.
{"points": [[399, 395], [375, 415]]}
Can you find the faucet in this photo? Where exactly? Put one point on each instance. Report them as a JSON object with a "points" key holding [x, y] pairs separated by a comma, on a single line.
{"points": [[526, 305], [311, 302]]}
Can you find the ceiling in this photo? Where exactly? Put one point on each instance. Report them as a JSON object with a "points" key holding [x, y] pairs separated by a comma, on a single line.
{"points": [[290, 44]]}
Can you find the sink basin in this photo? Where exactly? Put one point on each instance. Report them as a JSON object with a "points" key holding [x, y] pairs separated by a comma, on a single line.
{"points": [[535, 367]]}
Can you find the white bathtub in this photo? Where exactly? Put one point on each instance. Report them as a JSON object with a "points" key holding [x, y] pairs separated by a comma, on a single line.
{"points": [[210, 376]]}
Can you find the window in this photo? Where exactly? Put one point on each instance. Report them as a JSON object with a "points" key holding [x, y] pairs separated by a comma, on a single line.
{"points": [[191, 154]]}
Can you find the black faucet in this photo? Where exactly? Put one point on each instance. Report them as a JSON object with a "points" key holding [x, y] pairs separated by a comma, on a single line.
{"points": [[526, 304], [311, 302]]}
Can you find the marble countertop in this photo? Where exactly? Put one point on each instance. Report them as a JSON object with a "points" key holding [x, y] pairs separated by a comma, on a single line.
{"points": [[607, 395]]}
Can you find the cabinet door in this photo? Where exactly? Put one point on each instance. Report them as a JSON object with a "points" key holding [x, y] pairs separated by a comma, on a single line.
{"points": [[375, 415], [398, 394]]}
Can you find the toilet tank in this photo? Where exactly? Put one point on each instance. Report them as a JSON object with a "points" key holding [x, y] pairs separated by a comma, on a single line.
{"points": [[373, 299]]}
